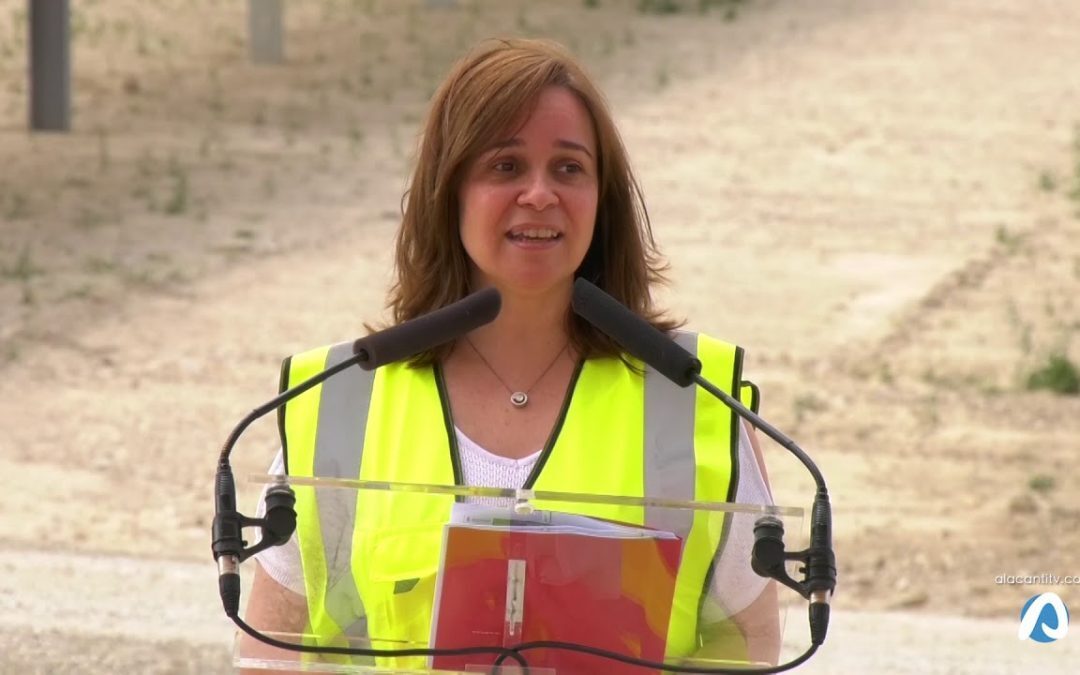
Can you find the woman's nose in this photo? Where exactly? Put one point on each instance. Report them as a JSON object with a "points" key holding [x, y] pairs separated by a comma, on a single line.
{"points": [[537, 192]]}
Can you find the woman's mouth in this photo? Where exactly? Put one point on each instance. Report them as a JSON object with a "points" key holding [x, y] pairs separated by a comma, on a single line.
{"points": [[537, 234]]}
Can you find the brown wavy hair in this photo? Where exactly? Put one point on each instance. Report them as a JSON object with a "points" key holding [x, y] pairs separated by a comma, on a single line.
{"points": [[487, 92]]}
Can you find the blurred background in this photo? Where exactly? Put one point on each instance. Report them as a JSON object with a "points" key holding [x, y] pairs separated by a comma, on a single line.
{"points": [[880, 201]]}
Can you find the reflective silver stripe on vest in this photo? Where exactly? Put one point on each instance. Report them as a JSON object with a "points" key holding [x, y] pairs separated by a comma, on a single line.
{"points": [[669, 445], [339, 445]]}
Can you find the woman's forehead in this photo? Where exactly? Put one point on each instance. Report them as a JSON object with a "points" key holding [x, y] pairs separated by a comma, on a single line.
{"points": [[556, 113]]}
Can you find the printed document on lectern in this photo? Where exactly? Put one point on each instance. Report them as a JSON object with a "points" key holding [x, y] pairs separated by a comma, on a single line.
{"points": [[507, 578]]}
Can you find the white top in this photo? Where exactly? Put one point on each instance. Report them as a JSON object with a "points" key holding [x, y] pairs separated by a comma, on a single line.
{"points": [[735, 585]]}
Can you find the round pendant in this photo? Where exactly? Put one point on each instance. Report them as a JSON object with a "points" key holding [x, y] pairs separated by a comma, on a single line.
{"points": [[518, 399]]}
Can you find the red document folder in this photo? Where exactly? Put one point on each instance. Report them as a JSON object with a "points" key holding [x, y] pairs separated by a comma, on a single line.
{"points": [[610, 592]]}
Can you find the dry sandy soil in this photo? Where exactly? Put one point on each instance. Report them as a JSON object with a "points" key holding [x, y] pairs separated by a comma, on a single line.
{"points": [[878, 200]]}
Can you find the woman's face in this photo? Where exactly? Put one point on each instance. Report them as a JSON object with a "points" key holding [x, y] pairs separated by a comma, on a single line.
{"points": [[528, 202]]}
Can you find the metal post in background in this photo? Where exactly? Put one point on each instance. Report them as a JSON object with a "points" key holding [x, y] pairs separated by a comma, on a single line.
{"points": [[265, 31], [50, 64]]}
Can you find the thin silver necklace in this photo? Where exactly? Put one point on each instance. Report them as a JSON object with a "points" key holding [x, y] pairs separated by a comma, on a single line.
{"points": [[518, 398]]}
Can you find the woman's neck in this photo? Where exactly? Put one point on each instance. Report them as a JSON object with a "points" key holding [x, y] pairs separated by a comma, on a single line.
{"points": [[507, 381], [529, 329]]}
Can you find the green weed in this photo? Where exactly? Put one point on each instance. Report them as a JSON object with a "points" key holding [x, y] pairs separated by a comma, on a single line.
{"points": [[104, 157], [88, 219], [179, 199], [1047, 182], [659, 7], [1041, 483], [78, 24], [1011, 242], [356, 137], [77, 182], [730, 8], [216, 100], [1074, 191], [1058, 374], [1020, 326], [886, 375], [523, 24], [96, 265], [24, 268], [663, 76], [13, 205], [928, 413]]}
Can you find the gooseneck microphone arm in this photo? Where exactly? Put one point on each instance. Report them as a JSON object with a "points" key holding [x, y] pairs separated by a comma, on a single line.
{"points": [[643, 341], [393, 344], [769, 557], [228, 544]]}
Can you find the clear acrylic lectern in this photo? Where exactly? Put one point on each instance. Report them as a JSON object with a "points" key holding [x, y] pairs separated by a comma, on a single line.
{"points": [[537, 582]]}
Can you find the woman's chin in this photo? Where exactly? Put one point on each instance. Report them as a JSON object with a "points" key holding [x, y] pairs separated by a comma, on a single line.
{"points": [[534, 284]]}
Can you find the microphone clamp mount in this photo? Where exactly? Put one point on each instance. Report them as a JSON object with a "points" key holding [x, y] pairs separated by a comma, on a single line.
{"points": [[276, 526]]}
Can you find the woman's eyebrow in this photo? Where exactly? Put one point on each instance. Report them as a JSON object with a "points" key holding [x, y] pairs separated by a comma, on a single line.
{"points": [[572, 145], [502, 145], [561, 143]]}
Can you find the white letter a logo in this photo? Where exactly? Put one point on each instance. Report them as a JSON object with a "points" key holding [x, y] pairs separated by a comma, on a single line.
{"points": [[1029, 620]]}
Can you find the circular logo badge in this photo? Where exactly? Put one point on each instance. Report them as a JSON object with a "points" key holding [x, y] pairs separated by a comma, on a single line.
{"points": [[1044, 618]]}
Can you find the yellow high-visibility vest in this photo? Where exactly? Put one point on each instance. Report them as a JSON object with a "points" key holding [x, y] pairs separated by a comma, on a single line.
{"points": [[619, 433]]}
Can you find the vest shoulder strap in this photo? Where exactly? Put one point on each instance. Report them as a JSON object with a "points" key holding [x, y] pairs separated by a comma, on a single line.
{"points": [[323, 414]]}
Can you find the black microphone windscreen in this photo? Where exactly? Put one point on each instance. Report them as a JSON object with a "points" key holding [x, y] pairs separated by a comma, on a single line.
{"points": [[414, 336], [636, 335]]}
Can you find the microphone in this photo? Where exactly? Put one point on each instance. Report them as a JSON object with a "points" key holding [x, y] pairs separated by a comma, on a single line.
{"points": [[430, 330], [398, 342], [634, 334], [643, 341]]}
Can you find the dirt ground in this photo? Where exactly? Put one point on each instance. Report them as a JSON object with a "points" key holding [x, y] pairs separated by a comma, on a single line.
{"points": [[879, 201]]}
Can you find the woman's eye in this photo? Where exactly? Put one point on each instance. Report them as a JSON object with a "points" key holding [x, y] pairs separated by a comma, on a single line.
{"points": [[572, 168], [503, 166]]}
